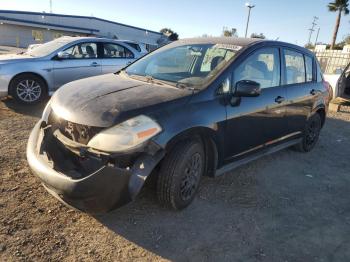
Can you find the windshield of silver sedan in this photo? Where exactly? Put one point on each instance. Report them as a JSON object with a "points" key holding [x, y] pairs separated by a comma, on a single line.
{"points": [[49, 47], [187, 65]]}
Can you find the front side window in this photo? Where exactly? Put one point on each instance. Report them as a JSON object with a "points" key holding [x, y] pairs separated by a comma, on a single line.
{"points": [[111, 50], [294, 65], [263, 67], [82, 51], [191, 65]]}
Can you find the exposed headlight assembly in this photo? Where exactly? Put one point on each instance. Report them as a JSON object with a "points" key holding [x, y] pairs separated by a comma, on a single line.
{"points": [[47, 111], [126, 135]]}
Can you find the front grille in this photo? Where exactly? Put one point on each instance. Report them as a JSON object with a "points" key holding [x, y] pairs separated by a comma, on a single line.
{"points": [[76, 132]]}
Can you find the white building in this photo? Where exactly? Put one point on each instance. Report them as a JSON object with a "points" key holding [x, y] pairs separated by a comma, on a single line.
{"points": [[19, 28]]}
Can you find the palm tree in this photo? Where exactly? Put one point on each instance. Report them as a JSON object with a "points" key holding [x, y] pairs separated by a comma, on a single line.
{"points": [[340, 6]]}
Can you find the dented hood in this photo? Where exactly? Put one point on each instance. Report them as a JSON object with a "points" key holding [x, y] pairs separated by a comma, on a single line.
{"points": [[103, 100]]}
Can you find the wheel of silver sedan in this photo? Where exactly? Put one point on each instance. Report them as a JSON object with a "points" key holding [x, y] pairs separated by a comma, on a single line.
{"points": [[28, 90]]}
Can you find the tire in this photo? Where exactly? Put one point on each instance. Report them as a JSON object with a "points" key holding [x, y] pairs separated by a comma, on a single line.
{"points": [[311, 134], [180, 174], [28, 89]]}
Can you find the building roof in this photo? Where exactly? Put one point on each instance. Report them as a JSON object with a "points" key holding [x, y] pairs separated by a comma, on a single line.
{"points": [[47, 25], [75, 16]]}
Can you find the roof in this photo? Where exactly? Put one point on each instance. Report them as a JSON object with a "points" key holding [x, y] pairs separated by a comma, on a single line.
{"points": [[236, 41], [76, 16], [48, 25], [239, 41]]}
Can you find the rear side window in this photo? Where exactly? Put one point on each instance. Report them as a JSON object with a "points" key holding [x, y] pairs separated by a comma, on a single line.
{"points": [[263, 67], [308, 67], [295, 68], [111, 50]]}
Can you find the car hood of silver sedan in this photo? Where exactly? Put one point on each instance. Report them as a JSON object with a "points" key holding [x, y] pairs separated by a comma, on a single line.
{"points": [[104, 100], [13, 58]]}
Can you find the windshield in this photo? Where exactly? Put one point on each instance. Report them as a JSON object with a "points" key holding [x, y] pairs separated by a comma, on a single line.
{"points": [[190, 65], [49, 47]]}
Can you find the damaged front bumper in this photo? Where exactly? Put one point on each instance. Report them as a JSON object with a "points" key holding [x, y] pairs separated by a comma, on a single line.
{"points": [[105, 187]]}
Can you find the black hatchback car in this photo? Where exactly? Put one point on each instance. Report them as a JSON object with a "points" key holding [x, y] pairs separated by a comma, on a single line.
{"points": [[194, 107]]}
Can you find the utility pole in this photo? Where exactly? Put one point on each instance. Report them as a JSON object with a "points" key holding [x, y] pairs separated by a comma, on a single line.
{"points": [[50, 6], [318, 32], [250, 6], [312, 28]]}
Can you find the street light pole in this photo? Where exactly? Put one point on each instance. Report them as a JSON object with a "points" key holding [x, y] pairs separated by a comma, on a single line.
{"points": [[250, 6]]}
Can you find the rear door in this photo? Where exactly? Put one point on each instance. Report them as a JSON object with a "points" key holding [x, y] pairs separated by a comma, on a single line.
{"points": [[115, 57], [257, 121], [81, 62], [302, 87]]}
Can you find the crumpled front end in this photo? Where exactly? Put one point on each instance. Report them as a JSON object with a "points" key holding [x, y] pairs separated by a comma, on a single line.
{"points": [[90, 181]]}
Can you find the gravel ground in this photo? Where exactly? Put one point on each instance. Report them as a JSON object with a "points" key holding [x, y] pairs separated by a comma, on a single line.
{"points": [[287, 206]]}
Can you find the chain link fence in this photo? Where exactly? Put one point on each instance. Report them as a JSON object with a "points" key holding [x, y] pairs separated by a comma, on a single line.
{"points": [[331, 60]]}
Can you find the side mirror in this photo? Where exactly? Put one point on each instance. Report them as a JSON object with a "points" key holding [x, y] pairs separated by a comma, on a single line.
{"points": [[246, 88], [63, 55]]}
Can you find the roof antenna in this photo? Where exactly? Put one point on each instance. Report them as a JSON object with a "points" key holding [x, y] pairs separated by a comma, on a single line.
{"points": [[50, 6]]}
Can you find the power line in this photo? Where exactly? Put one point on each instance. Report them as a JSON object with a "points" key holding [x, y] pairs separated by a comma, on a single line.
{"points": [[312, 28]]}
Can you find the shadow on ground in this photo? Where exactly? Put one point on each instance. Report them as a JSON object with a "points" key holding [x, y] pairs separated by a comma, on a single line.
{"points": [[287, 206], [30, 110]]}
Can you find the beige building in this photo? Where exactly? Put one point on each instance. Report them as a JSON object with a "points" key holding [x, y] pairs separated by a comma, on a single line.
{"points": [[20, 29]]}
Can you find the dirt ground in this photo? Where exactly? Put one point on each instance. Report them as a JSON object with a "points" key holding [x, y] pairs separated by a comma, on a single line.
{"points": [[287, 206]]}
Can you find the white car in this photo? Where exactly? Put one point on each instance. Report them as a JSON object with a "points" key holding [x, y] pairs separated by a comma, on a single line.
{"points": [[340, 82], [141, 48], [32, 46]]}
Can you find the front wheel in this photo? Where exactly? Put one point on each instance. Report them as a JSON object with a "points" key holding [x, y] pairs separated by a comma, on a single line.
{"points": [[28, 89], [311, 134], [180, 174]]}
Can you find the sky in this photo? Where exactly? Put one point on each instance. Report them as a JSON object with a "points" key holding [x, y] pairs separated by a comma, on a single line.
{"points": [[287, 20]]}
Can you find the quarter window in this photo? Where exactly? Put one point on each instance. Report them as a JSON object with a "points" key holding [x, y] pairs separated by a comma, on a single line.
{"points": [[111, 50], [308, 67], [295, 68], [263, 67], [82, 51], [319, 72]]}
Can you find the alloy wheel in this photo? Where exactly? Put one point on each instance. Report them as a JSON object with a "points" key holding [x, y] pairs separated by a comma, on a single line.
{"points": [[28, 90], [312, 133], [190, 181]]}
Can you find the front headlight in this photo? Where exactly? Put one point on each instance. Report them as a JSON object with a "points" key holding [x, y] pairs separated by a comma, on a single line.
{"points": [[125, 136]]}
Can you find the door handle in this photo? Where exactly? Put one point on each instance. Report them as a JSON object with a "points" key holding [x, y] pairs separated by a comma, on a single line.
{"points": [[313, 92], [279, 99], [94, 64]]}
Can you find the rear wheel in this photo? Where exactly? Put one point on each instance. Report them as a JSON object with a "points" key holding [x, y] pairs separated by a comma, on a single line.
{"points": [[311, 134], [180, 174], [28, 89]]}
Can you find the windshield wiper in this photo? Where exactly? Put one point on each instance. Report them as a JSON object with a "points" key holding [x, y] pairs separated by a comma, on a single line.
{"points": [[151, 79]]}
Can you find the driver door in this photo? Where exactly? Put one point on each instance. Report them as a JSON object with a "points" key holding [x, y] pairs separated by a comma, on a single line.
{"points": [[255, 122], [82, 61]]}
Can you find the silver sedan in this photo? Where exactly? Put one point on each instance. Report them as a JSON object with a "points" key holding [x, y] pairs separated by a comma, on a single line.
{"points": [[29, 77]]}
